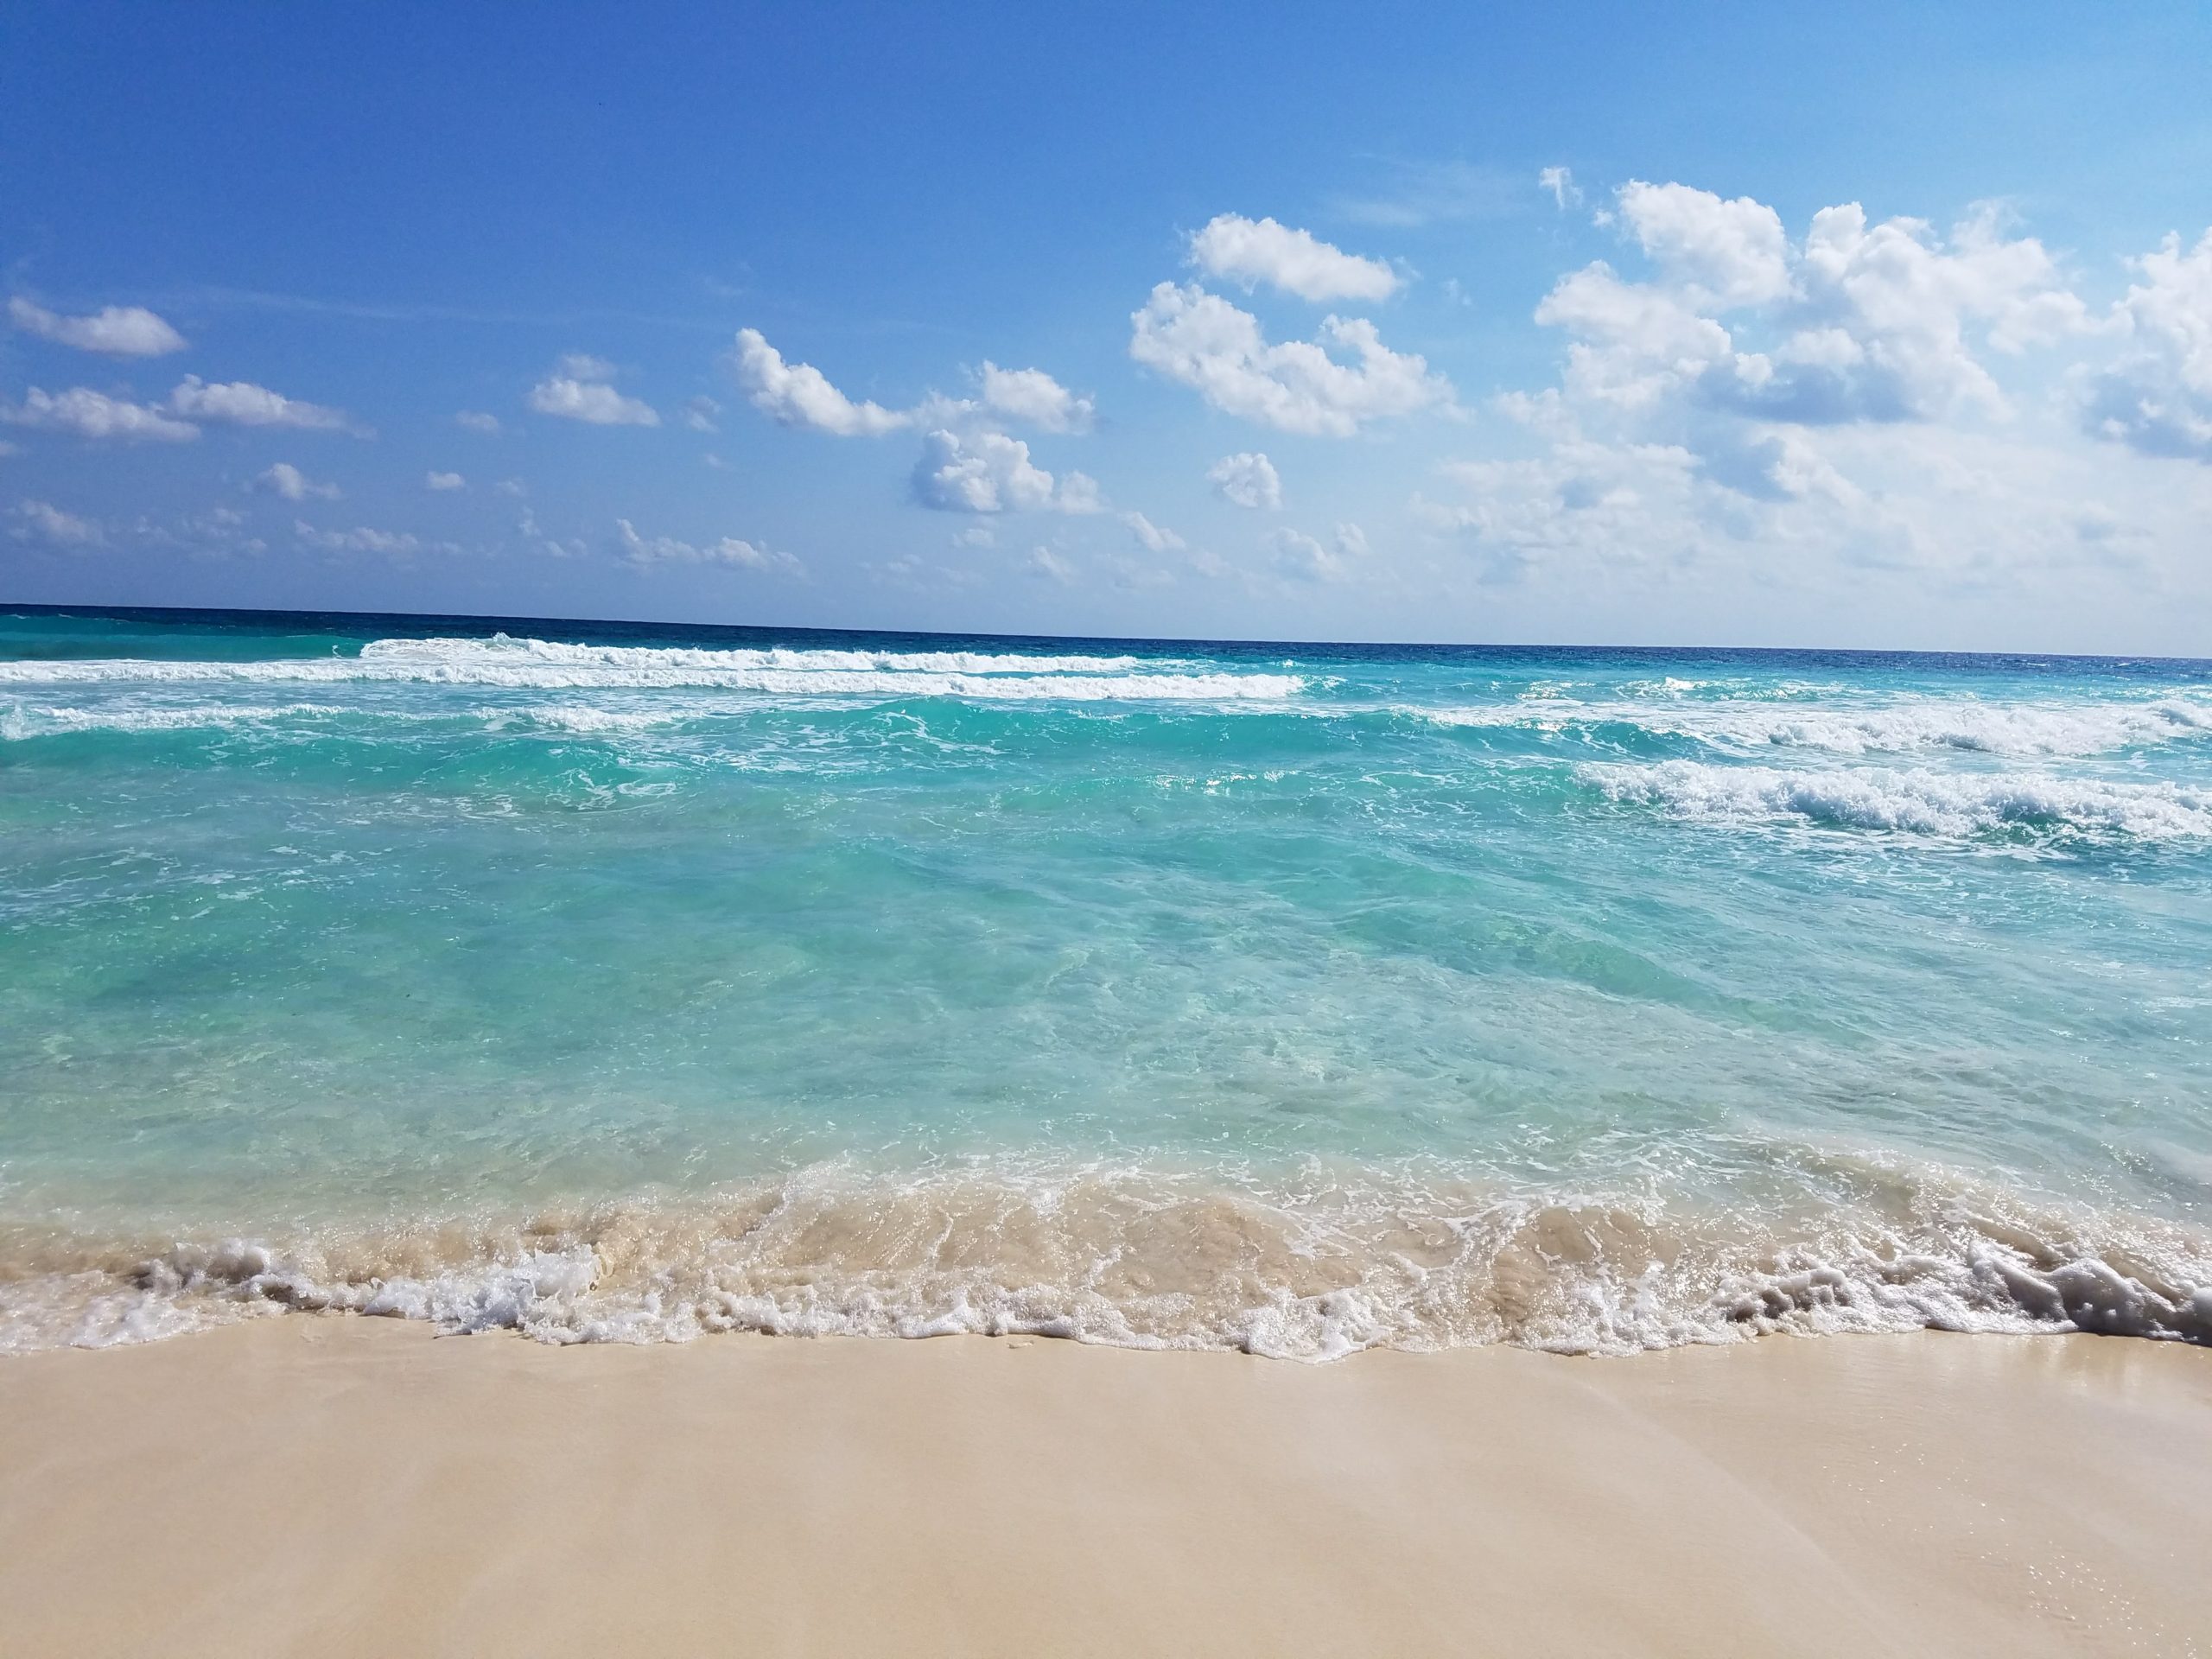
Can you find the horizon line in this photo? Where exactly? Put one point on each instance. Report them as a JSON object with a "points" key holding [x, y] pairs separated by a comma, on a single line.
{"points": [[31, 608]]}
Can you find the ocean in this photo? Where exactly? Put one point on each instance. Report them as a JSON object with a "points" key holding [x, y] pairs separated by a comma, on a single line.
{"points": [[606, 982]]}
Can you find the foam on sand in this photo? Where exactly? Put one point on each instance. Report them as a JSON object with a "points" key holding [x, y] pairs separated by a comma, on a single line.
{"points": [[1134, 1259]]}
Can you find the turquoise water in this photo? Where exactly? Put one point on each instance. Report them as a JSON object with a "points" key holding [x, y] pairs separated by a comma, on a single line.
{"points": [[609, 982]]}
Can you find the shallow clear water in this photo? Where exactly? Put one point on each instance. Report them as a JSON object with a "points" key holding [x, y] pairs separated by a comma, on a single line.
{"points": [[615, 982]]}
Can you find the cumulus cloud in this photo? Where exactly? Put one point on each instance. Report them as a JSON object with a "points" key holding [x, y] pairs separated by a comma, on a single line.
{"points": [[1151, 537], [1250, 252], [239, 402], [2158, 398], [44, 523], [289, 481], [1730, 253], [114, 330], [1248, 479], [437, 480], [1825, 397], [1034, 397], [475, 420], [989, 472], [799, 394], [90, 414], [1857, 322], [1209, 345], [647, 550], [577, 390], [701, 414]]}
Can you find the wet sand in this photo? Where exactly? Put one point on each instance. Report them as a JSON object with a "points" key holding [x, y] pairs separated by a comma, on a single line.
{"points": [[352, 1486]]}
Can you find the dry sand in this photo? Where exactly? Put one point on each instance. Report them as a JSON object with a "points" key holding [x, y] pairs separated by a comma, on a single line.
{"points": [[341, 1486]]}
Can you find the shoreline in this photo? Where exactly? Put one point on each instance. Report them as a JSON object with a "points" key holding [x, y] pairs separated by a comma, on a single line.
{"points": [[358, 1486]]}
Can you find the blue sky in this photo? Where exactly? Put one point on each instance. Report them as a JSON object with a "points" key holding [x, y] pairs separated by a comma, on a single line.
{"points": [[1892, 327]]}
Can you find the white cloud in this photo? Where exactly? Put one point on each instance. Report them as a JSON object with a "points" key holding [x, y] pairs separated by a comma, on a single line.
{"points": [[989, 472], [1150, 535], [799, 394], [1241, 250], [1202, 341], [220, 530], [1301, 556], [289, 481], [2158, 398], [730, 550], [239, 402], [1624, 503], [699, 414], [475, 420], [1730, 252], [115, 330], [582, 365], [1856, 323], [1307, 560], [1032, 397], [513, 486], [1248, 479], [362, 539], [91, 414], [1560, 180], [592, 401], [41, 521], [437, 480], [1043, 561]]}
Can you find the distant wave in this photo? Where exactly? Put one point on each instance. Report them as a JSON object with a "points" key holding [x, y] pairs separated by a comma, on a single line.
{"points": [[536, 664], [1127, 1258], [1967, 725], [1921, 803]]}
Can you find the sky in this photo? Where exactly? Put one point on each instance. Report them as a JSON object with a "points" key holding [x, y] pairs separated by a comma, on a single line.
{"points": [[1872, 325]]}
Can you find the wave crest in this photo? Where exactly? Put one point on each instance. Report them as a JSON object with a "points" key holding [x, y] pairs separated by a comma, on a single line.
{"points": [[1953, 805], [551, 666]]}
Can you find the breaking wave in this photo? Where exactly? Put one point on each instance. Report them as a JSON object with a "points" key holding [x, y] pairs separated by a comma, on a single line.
{"points": [[1952, 805], [1136, 1260], [1963, 725], [543, 665]]}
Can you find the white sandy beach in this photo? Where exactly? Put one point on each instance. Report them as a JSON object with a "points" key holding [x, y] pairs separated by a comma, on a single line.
{"points": [[347, 1486]]}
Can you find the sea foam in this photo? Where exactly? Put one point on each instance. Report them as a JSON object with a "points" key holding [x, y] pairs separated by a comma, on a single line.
{"points": [[1955, 805], [1967, 725], [546, 665], [1134, 1259]]}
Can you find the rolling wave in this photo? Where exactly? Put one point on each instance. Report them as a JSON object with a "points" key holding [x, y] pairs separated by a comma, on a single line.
{"points": [[1919, 802], [1965, 725], [541, 664]]}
